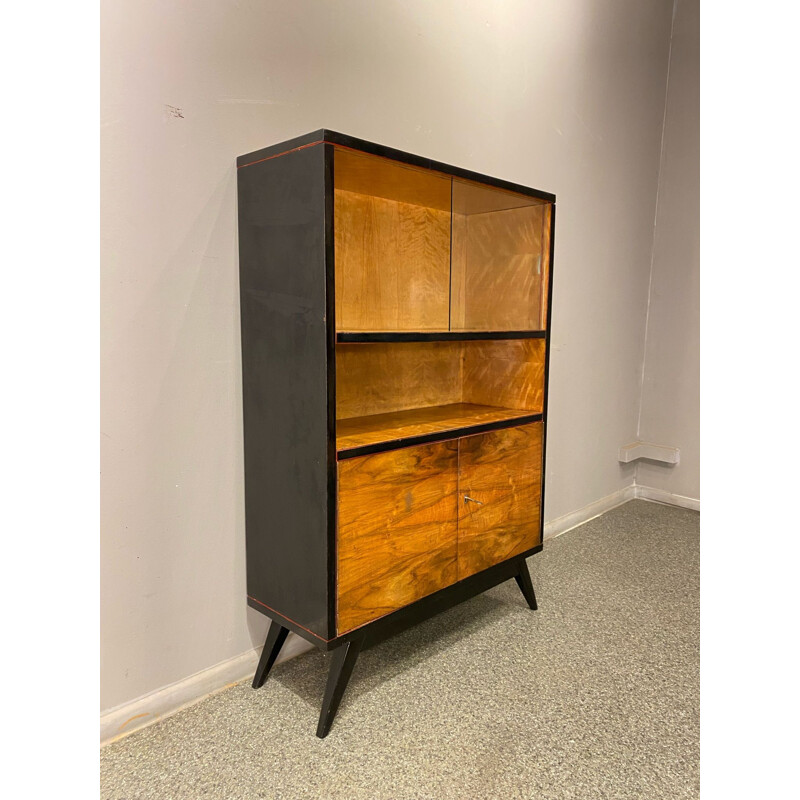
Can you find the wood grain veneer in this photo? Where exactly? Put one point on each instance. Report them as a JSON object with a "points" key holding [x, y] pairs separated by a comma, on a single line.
{"points": [[387, 377], [502, 470], [477, 198], [497, 265], [384, 377], [392, 265], [458, 272], [397, 530], [380, 177], [360, 431], [392, 246], [507, 373]]}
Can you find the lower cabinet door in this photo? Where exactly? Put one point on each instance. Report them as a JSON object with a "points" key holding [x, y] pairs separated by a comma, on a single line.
{"points": [[397, 530], [500, 481]]}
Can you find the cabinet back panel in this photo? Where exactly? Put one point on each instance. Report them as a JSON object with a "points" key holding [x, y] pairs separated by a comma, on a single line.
{"points": [[502, 470], [392, 245], [392, 265], [505, 372], [396, 531], [385, 377]]}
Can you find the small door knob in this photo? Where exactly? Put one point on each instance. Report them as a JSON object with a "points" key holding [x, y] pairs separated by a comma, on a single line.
{"points": [[472, 500]]}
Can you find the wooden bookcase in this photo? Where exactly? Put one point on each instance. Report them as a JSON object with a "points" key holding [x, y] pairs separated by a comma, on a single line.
{"points": [[395, 331]]}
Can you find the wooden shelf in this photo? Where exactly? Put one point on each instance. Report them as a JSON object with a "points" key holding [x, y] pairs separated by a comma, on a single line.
{"points": [[358, 436], [433, 336]]}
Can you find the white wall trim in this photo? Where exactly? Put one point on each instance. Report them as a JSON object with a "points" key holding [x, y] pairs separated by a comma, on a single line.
{"points": [[663, 496], [137, 714], [633, 492], [569, 521], [149, 708], [654, 452]]}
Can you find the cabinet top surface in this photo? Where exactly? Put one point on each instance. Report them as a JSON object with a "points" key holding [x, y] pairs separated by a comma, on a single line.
{"points": [[324, 136]]}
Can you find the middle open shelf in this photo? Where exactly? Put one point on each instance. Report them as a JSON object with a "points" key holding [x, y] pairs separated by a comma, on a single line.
{"points": [[395, 394]]}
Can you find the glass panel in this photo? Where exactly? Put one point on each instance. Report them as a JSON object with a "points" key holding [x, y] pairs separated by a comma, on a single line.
{"points": [[500, 254]]}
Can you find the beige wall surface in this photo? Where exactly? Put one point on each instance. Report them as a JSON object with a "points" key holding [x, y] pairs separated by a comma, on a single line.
{"points": [[568, 97], [670, 412]]}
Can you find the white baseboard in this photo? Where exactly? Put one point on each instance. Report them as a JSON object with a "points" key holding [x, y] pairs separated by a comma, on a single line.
{"points": [[569, 521], [129, 717], [661, 496], [575, 518]]}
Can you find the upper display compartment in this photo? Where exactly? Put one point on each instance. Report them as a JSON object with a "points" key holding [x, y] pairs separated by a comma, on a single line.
{"points": [[499, 253], [420, 251], [392, 239]]}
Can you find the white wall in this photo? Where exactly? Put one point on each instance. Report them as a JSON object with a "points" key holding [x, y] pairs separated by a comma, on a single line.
{"points": [[566, 96], [670, 412]]}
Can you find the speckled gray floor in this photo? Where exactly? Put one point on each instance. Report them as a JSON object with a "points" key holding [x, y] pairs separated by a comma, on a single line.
{"points": [[593, 696]]}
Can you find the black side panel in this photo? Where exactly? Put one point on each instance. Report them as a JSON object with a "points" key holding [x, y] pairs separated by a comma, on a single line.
{"points": [[284, 374], [278, 149]]}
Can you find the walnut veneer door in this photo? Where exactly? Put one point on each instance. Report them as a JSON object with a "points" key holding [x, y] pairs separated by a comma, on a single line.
{"points": [[397, 530], [501, 473]]}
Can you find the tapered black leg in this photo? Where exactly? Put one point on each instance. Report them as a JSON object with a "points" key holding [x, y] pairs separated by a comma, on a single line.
{"points": [[344, 659], [525, 585], [275, 639]]}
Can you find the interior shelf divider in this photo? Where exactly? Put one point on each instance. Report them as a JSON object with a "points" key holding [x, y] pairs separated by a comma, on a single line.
{"points": [[433, 336]]}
